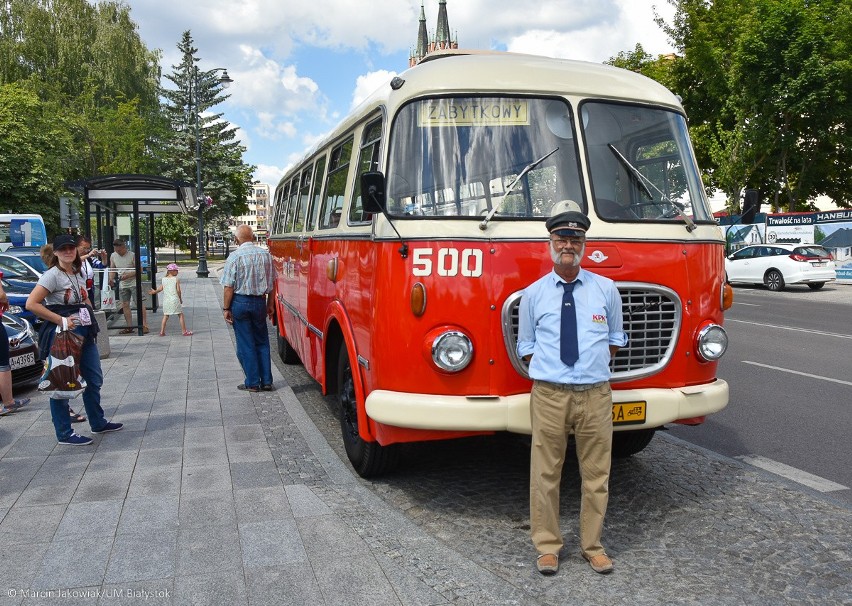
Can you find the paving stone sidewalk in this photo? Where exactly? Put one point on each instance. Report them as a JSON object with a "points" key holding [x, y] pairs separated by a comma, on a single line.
{"points": [[187, 504], [211, 495]]}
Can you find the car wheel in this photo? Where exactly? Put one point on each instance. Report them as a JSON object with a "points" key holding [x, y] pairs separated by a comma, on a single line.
{"points": [[816, 285], [774, 280]]}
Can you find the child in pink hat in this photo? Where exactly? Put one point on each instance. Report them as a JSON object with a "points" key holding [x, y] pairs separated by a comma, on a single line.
{"points": [[172, 299]]}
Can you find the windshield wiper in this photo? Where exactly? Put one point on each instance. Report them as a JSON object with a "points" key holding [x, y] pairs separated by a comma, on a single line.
{"points": [[644, 181], [484, 223]]}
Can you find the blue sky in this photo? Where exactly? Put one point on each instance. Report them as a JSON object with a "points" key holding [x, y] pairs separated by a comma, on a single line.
{"points": [[300, 65]]}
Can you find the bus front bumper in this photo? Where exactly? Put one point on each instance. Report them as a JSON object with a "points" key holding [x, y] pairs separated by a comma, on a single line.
{"points": [[512, 413]]}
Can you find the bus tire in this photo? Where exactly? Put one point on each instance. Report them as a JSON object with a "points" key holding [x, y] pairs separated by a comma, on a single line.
{"points": [[628, 443], [287, 354], [369, 459]]}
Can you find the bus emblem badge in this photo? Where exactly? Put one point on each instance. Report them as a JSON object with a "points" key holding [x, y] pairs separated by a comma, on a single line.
{"points": [[598, 257]]}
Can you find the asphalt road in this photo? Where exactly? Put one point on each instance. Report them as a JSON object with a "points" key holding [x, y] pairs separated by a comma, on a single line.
{"points": [[790, 376]]}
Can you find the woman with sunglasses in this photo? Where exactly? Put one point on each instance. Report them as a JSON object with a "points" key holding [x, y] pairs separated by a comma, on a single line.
{"points": [[60, 298]]}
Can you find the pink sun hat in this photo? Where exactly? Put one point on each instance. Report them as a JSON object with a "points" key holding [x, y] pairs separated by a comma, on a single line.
{"points": [[172, 267]]}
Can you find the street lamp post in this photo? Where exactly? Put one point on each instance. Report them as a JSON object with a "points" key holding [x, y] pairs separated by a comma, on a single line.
{"points": [[224, 80]]}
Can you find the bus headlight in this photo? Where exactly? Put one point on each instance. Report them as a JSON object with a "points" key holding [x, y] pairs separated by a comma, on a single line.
{"points": [[452, 351], [712, 343]]}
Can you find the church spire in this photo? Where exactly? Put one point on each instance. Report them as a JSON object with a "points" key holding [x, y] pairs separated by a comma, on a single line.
{"points": [[443, 39], [442, 34], [422, 39]]}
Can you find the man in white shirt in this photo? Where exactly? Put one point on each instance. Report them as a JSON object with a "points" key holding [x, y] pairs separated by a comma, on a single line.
{"points": [[124, 262]]}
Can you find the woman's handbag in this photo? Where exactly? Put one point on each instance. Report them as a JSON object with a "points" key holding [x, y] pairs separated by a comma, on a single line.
{"points": [[61, 379]]}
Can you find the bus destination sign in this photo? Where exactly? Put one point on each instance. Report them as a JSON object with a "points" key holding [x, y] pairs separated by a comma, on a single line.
{"points": [[474, 112]]}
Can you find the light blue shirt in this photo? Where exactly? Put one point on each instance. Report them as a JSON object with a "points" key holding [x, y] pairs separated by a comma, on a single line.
{"points": [[599, 324], [249, 271]]}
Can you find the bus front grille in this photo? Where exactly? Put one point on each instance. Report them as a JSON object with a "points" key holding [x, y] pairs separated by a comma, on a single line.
{"points": [[652, 319]]}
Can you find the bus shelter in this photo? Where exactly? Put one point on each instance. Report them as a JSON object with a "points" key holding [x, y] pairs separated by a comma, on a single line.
{"points": [[106, 196]]}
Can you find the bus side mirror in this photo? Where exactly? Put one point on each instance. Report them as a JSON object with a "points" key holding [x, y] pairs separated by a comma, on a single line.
{"points": [[373, 191], [751, 206]]}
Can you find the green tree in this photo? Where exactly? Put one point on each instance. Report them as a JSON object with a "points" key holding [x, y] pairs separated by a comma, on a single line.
{"points": [[766, 84], [639, 61], [35, 145], [224, 176], [91, 77], [173, 229], [78, 46]]}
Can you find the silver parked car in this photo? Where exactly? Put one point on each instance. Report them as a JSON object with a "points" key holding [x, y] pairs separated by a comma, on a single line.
{"points": [[779, 265]]}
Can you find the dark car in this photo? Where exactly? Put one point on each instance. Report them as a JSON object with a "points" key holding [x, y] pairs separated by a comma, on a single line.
{"points": [[23, 350]]}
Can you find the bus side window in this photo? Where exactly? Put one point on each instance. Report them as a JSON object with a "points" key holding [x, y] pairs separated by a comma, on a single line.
{"points": [[316, 193], [302, 200], [291, 204], [335, 185], [367, 161], [280, 200]]}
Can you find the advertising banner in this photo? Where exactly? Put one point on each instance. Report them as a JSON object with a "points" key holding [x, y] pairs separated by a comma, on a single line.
{"points": [[829, 229]]}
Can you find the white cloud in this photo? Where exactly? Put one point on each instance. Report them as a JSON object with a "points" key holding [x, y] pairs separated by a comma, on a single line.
{"points": [[281, 104], [599, 41], [268, 174], [369, 83], [270, 126], [269, 86]]}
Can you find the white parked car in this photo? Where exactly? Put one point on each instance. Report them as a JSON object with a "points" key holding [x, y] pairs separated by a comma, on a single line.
{"points": [[778, 265]]}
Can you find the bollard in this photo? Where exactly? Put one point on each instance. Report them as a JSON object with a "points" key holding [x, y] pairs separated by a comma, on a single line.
{"points": [[103, 335]]}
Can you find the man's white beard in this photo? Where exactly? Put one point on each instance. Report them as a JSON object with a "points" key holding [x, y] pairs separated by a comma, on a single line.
{"points": [[557, 256]]}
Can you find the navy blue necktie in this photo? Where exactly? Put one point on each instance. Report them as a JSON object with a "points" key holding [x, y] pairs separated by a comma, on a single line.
{"points": [[569, 349]]}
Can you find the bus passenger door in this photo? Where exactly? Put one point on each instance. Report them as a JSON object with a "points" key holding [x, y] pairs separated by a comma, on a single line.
{"points": [[309, 195], [285, 252]]}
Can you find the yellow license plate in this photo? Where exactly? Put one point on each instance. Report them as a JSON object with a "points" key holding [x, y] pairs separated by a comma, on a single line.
{"points": [[628, 413]]}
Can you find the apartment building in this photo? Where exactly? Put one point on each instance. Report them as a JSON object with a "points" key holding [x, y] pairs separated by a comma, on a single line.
{"points": [[259, 212]]}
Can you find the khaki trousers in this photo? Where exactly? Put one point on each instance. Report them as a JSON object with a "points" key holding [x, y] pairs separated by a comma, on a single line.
{"points": [[555, 413]]}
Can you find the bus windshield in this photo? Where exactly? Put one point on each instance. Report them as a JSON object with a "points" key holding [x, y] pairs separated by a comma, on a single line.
{"points": [[456, 157], [641, 164]]}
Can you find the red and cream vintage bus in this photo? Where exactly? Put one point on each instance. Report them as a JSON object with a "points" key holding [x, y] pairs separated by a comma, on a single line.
{"points": [[404, 240]]}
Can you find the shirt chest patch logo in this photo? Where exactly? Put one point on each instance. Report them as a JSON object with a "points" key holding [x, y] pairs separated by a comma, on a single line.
{"points": [[599, 318]]}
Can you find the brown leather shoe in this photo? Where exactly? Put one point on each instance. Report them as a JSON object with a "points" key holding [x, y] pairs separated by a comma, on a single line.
{"points": [[602, 564], [547, 563]]}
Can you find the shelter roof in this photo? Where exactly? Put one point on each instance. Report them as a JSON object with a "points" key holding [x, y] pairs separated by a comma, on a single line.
{"points": [[152, 193]]}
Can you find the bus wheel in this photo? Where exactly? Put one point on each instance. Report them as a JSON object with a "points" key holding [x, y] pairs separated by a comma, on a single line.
{"points": [[368, 458], [287, 354], [627, 443]]}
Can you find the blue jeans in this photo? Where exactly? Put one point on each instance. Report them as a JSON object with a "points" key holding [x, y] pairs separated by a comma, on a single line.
{"points": [[90, 370], [249, 314]]}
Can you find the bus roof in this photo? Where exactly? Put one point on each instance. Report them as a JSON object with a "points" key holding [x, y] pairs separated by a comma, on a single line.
{"points": [[482, 72]]}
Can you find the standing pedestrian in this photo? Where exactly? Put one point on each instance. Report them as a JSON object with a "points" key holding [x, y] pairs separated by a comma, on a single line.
{"points": [[124, 262], [248, 278], [172, 299], [92, 260], [60, 299], [570, 326]]}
